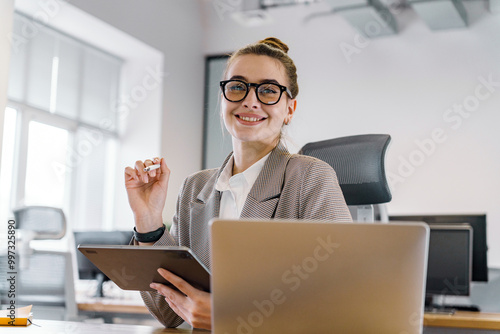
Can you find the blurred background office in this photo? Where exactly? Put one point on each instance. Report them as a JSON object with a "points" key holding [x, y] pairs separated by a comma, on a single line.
{"points": [[87, 87]]}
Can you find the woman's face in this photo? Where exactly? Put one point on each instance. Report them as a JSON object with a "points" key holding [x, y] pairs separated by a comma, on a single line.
{"points": [[250, 120]]}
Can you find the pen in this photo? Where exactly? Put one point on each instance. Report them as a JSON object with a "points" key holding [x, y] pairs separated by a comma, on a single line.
{"points": [[152, 167]]}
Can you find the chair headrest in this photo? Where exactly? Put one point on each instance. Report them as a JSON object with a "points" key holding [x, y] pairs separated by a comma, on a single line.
{"points": [[47, 222], [359, 162]]}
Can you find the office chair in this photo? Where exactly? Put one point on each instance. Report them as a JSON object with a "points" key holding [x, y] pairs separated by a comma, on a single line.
{"points": [[45, 277], [46, 222], [48, 284], [359, 164]]}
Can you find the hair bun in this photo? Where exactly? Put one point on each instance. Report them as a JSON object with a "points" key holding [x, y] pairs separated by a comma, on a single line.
{"points": [[275, 43]]}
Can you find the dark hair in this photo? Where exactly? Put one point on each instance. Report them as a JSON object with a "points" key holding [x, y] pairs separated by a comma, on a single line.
{"points": [[274, 48]]}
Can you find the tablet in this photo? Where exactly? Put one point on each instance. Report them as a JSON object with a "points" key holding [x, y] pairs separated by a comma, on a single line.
{"points": [[135, 267]]}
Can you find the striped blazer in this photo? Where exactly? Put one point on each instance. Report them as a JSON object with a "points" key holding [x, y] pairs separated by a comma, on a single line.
{"points": [[290, 186]]}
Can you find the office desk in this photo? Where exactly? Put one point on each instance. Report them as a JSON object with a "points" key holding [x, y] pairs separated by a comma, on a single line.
{"points": [[111, 306], [117, 303], [62, 327], [52, 326], [471, 320]]}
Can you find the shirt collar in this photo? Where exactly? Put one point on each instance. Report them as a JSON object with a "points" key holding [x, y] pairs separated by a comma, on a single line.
{"points": [[253, 171], [223, 181], [250, 174]]}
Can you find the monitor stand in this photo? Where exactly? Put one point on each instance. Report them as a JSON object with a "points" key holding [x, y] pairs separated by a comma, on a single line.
{"points": [[432, 307], [100, 277]]}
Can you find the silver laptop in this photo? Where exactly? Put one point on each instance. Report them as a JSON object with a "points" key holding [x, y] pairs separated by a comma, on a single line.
{"points": [[315, 277]]}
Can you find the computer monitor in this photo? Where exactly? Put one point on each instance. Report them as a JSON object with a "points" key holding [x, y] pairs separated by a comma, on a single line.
{"points": [[87, 270], [479, 242], [449, 261]]}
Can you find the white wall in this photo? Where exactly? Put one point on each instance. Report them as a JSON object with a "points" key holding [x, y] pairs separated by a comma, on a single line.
{"points": [[6, 11], [402, 85], [174, 28]]}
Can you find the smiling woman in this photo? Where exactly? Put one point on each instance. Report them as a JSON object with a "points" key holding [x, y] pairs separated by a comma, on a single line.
{"points": [[255, 120], [259, 179]]}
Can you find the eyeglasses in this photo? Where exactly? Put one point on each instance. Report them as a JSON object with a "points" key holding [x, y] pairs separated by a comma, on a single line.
{"points": [[267, 93]]}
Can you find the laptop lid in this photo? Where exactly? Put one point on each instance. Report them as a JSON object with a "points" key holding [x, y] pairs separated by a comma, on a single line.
{"points": [[316, 277]]}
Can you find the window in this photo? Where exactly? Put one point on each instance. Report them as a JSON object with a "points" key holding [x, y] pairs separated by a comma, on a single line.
{"points": [[217, 141], [60, 136], [7, 168], [45, 184]]}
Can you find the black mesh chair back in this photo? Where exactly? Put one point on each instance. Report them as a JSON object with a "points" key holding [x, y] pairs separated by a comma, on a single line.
{"points": [[359, 164], [46, 222]]}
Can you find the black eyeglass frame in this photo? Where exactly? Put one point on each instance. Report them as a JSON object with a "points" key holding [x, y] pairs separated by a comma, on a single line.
{"points": [[249, 84]]}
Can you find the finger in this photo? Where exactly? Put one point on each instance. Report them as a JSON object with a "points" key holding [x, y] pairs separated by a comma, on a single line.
{"points": [[164, 173], [178, 282], [148, 163], [173, 298], [180, 312], [196, 312], [155, 172], [170, 294], [130, 173], [139, 166]]}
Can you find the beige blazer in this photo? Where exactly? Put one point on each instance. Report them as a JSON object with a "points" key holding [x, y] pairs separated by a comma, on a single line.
{"points": [[290, 186]]}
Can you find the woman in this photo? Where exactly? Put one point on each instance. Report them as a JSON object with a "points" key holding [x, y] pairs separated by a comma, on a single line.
{"points": [[259, 179]]}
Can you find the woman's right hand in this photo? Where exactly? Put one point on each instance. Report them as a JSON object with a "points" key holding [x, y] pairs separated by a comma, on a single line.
{"points": [[147, 192]]}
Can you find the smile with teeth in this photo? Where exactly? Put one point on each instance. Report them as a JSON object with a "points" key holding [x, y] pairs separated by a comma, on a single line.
{"points": [[251, 119]]}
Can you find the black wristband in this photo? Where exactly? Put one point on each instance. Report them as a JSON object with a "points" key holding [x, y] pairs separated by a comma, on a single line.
{"points": [[150, 236]]}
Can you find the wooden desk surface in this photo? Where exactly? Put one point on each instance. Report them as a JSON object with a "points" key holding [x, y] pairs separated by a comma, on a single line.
{"points": [[112, 307], [473, 320]]}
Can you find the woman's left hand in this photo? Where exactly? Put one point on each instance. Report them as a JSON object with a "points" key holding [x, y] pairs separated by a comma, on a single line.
{"points": [[194, 306]]}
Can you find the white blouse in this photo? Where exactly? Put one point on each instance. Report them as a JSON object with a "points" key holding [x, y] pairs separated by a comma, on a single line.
{"points": [[235, 188]]}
